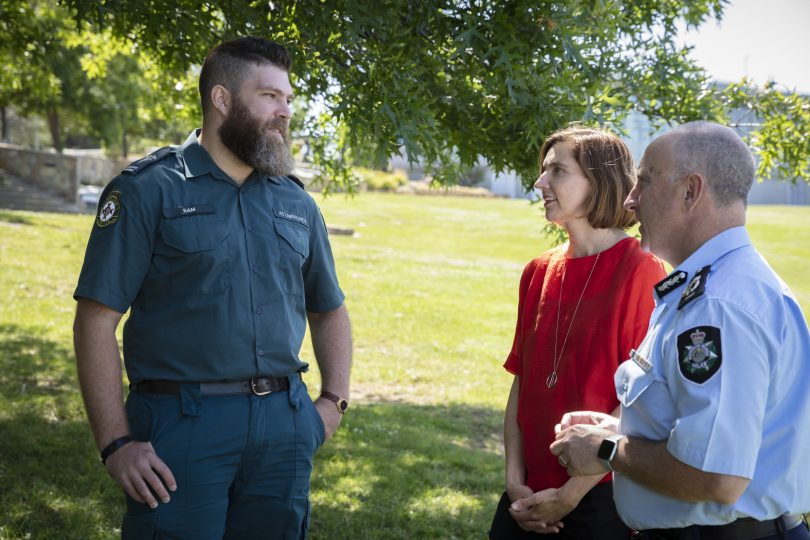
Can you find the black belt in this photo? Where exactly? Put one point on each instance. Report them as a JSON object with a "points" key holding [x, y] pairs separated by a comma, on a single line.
{"points": [[257, 385], [741, 529]]}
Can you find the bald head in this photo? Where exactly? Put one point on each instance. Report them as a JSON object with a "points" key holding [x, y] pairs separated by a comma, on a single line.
{"points": [[718, 154]]}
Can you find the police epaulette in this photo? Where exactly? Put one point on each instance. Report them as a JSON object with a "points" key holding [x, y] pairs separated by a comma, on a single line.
{"points": [[297, 181], [154, 157], [696, 287]]}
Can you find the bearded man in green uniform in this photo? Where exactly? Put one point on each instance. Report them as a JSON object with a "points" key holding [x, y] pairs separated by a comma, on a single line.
{"points": [[221, 258]]}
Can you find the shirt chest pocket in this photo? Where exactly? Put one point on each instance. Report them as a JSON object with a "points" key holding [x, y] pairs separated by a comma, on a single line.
{"points": [[647, 408], [631, 381], [191, 256], [293, 251]]}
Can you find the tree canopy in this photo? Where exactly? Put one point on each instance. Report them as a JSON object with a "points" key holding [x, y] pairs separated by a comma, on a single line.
{"points": [[452, 81], [88, 85]]}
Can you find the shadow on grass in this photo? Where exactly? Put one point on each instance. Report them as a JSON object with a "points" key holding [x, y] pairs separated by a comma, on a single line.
{"points": [[403, 471], [11, 217], [394, 471], [31, 365], [51, 483]]}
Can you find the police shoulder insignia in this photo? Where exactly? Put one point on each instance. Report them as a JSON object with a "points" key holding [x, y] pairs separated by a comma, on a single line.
{"points": [[108, 212], [696, 287], [154, 157], [670, 283], [699, 353]]}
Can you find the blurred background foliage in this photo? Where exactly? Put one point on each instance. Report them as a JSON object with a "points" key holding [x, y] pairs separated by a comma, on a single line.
{"points": [[446, 82]]}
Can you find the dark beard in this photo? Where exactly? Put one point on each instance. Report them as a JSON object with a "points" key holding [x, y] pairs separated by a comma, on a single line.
{"points": [[244, 135]]}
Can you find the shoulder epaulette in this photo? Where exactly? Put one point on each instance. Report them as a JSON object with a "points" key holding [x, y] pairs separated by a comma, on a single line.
{"points": [[696, 287], [670, 283], [297, 181], [137, 166]]}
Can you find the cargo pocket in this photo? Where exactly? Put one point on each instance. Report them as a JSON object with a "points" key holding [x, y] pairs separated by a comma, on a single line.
{"points": [[317, 422]]}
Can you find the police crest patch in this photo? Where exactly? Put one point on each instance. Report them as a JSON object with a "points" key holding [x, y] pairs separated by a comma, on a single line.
{"points": [[699, 353], [109, 211]]}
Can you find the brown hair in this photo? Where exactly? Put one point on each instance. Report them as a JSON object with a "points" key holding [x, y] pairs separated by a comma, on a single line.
{"points": [[609, 168], [227, 64]]}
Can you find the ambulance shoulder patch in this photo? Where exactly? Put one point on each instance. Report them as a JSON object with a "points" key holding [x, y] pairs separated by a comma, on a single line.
{"points": [[109, 211], [700, 353]]}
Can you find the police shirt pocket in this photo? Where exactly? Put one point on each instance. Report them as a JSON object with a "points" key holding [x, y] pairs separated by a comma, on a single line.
{"points": [[631, 381], [293, 250], [294, 237], [195, 233], [193, 255]]}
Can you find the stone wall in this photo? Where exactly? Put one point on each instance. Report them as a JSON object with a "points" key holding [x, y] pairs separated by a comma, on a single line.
{"points": [[61, 174]]}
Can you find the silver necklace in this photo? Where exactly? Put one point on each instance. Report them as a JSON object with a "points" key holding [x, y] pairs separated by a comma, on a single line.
{"points": [[551, 380]]}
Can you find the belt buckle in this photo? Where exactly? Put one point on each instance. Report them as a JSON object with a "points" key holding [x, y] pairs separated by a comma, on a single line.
{"points": [[253, 387]]}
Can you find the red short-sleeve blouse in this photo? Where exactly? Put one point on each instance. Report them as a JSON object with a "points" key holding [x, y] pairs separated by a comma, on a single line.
{"points": [[612, 319]]}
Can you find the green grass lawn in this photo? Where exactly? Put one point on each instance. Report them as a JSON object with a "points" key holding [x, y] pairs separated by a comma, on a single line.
{"points": [[431, 286]]}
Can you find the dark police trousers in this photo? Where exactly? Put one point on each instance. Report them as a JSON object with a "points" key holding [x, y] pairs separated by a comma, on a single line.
{"points": [[242, 463], [742, 529]]}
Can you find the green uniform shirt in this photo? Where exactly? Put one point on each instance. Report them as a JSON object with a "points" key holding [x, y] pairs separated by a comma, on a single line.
{"points": [[218, 276]]}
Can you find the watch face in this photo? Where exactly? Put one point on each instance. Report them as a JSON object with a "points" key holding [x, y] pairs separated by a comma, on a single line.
{"points": [[606, 449], [343, 405]]}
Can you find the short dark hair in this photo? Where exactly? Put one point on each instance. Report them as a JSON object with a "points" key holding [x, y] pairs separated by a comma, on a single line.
{"points": [[607, 164], [227, 64]]}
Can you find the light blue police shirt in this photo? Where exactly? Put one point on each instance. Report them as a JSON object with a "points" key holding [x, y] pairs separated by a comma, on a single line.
{"points": [[725, 380]]}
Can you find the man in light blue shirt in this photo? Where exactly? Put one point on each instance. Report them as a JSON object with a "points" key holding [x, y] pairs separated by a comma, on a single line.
{"points": [[714, 435]]}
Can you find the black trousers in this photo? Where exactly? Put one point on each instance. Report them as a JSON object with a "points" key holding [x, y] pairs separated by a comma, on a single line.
{"points": [[594, 518], [800, 532]]}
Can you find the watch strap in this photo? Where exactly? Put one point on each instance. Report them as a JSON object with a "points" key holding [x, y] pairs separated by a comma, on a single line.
{"points": [[113, 446], [341, 403]]}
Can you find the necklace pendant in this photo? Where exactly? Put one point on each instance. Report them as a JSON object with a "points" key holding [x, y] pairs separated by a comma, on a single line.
{"points": [[551, 380]]}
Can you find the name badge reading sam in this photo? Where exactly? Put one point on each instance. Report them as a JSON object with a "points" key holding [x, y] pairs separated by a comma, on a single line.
{"points": [[190, 210], [640, 360]]}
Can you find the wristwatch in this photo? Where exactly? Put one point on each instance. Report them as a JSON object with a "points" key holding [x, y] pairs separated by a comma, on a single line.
{"points": [[342, 404], [607, 450]]}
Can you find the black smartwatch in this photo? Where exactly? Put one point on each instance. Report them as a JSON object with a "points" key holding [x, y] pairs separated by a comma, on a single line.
{"points": [[607, 450]]}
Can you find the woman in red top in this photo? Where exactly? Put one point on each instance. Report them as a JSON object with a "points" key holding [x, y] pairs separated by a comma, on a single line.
{"points": [[583, 306]]}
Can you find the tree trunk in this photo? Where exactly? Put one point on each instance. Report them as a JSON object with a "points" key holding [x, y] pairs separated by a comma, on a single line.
{"points": [[56, 134], [4, 120], [124, 148]]}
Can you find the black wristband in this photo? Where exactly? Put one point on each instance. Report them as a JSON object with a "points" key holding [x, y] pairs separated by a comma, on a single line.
{"points": [[113, 446]]}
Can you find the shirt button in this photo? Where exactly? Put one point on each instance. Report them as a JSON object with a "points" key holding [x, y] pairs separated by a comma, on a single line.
{"points": [[255, 269], [624, 387], [259, 310], [250, 228], [260, 352]]}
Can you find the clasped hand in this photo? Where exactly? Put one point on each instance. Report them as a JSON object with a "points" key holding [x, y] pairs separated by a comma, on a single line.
{"points": [[579, 435], [540, 512]]}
